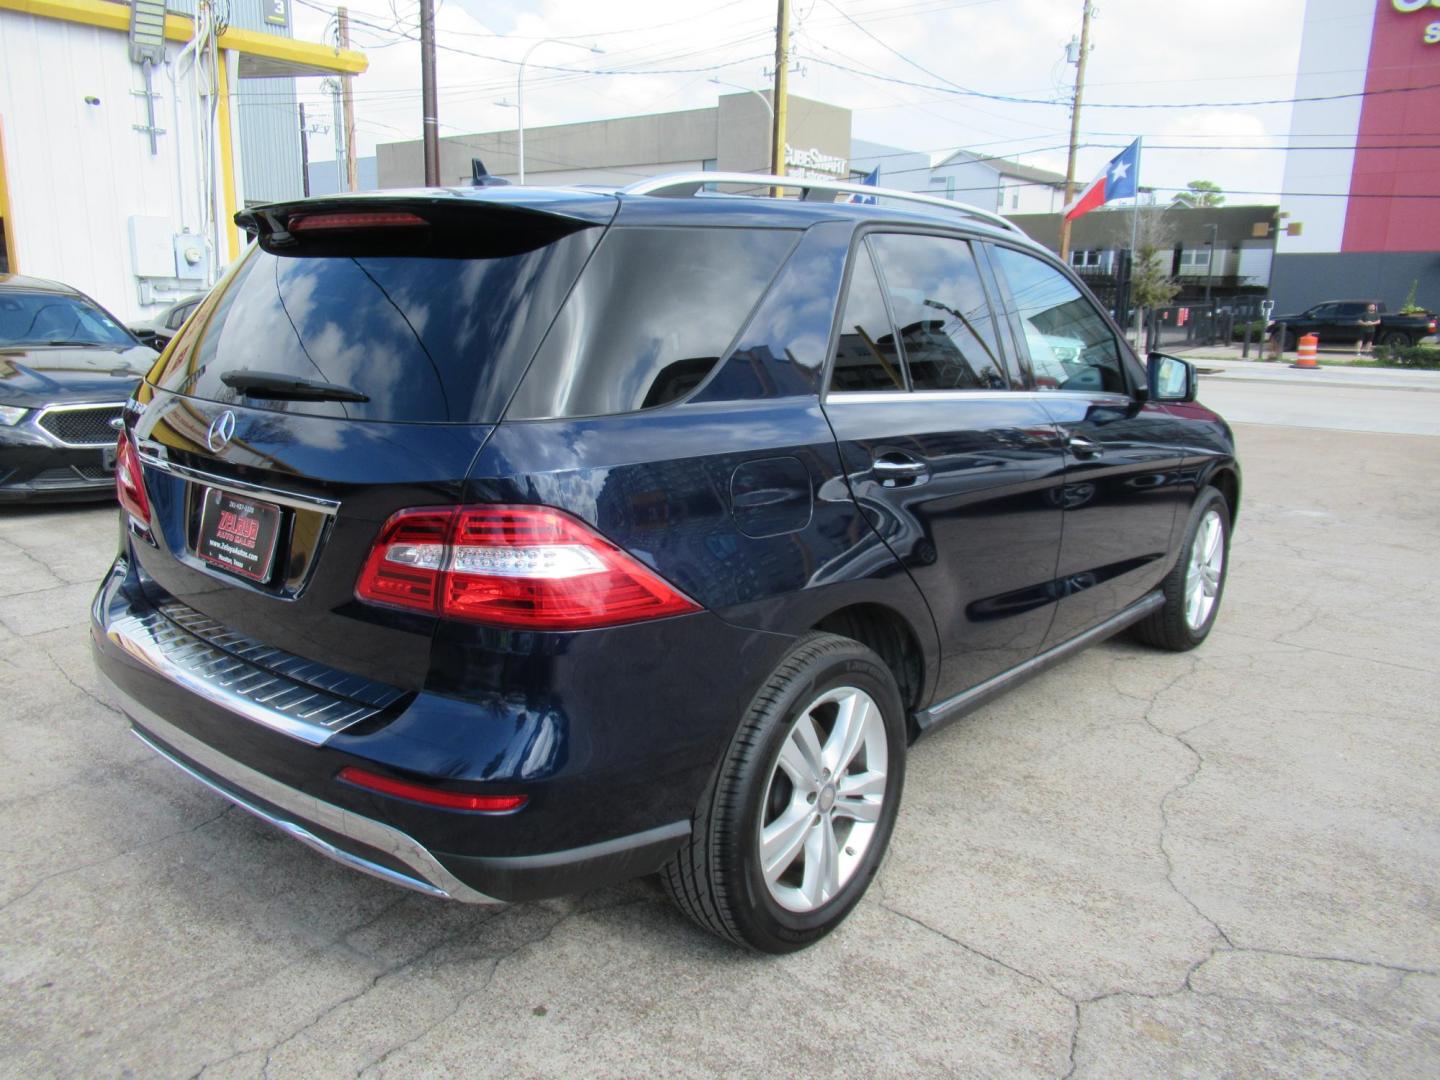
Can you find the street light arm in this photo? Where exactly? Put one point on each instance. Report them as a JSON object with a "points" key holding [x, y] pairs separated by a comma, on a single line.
{"points": [[749, 90], [520, 95]]}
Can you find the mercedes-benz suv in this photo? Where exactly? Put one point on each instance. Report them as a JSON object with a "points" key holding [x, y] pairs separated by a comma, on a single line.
{"points": [[504, 543]]}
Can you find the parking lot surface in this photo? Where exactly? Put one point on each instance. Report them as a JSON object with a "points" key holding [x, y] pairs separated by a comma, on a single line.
{"points": [[1220, 863]]}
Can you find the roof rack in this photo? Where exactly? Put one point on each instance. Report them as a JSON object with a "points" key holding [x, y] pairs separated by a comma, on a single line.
{"points": [[691, 183]]}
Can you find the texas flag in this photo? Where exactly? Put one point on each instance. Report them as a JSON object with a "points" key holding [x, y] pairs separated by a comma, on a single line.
{"points": [[1117, 181]]}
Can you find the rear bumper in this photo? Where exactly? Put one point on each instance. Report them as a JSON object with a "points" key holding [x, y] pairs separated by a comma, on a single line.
{"points": [[244, 732], [312, 821]]}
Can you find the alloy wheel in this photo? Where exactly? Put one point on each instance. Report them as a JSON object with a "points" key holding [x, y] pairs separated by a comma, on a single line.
{"points": [[823, 799], [1202, 578]]}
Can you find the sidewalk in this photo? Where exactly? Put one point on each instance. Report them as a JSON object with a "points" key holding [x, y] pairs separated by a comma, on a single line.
{"points": [[1218, 361]]}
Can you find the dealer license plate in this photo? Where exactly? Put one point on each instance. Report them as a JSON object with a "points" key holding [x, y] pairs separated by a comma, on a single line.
{"points": [[238, 535]]}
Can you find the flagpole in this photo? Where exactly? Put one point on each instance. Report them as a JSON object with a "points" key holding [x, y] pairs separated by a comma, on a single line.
{"points": [[1135, 243]]}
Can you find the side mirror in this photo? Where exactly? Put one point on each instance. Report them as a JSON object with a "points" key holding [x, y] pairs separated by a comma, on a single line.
{"points": [[1169, 378]]}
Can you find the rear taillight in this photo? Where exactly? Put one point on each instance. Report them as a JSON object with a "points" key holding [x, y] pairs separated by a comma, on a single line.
{"points": [[423, 793], [130, 480], [526, 567]]}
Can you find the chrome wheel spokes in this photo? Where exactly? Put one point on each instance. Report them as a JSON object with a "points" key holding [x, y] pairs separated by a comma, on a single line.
{"points": [[1203, 575], [823, 802]]}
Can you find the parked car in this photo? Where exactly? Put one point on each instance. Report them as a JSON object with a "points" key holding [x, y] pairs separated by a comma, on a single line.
{"points": [[66, 367], [157, 331], [1345, 322], [503, 543]]}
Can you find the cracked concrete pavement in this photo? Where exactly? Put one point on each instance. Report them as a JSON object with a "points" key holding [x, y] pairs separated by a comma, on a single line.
{"points": [[1140, 864]]}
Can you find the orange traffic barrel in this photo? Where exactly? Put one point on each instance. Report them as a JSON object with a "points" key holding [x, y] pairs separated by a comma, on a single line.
{"points": [[1308, 353]]}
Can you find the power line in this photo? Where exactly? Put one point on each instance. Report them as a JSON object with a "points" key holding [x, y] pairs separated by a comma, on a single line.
{"points": [[1129, 105]]}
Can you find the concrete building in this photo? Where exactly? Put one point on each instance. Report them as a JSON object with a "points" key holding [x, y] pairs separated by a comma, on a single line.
{"points": [[121, 176], [328, 178], [734, 136], [1361, 213], [1238, 265]]}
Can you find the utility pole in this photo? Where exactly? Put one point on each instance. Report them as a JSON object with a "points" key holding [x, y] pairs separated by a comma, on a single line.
{"points": [[430, 111], [781, 92], [1075, 125], [347, 99], [304, 153]]}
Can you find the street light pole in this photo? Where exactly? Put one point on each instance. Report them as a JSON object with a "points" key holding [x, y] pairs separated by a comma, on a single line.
{"points": [[520, 95], [1210, 262]]}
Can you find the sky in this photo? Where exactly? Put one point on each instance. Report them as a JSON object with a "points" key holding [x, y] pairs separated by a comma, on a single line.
{"points": [[918, 74]]}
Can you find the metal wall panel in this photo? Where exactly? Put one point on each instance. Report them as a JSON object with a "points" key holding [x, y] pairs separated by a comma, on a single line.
{"points": [[266, 114]]}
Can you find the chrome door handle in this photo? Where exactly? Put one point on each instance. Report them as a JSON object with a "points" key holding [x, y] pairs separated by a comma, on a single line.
{"points": [[898, 468], [1082, 447]]}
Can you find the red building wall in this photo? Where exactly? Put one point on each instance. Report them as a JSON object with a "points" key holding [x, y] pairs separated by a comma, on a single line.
{"points": [[1395, 185]]}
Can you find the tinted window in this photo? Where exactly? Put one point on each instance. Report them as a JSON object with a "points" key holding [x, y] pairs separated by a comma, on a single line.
{"points": [[179, 315], [427, 339], [865, 355], [1070, 344], [655, 310], [37, 318], [946, 330]]}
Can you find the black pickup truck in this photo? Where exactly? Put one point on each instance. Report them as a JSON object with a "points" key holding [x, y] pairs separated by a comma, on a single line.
{"points": [[1344, 322]]}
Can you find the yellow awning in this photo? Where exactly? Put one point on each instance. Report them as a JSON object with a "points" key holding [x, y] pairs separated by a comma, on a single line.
{"points": [[262, 56]]}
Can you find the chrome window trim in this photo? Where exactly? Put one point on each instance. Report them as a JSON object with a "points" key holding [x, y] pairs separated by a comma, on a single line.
{"points": [[151, 457], [430, 877], [72, 406], [883, 397]]}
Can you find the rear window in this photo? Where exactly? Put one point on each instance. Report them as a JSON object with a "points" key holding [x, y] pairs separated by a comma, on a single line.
{"points": [[426, 338], [656, 309]]}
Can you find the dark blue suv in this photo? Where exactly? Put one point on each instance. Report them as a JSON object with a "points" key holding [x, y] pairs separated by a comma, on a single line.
{"points": [[505, 543]]}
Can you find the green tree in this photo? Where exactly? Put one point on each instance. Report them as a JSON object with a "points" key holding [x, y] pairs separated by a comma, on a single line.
{"points": [[1151, 285], [1200, 193]]}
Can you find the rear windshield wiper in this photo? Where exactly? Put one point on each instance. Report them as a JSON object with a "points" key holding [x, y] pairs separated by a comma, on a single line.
{"points": [[267, 385]]}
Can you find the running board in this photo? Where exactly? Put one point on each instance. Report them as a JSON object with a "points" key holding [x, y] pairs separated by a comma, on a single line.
{"points": [[927, 720]]}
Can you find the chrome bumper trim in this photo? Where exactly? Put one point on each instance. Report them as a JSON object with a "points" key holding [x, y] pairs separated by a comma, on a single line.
{"points": [[216, 664], [153, 455], [430, 877]]}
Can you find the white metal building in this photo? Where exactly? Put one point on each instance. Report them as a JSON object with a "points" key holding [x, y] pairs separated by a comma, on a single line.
{"points": [[122, 178]]}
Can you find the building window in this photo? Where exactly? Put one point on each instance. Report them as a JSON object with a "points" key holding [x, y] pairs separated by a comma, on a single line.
{"points": [[1091, 259], [1015, 197], [1197, 260]]}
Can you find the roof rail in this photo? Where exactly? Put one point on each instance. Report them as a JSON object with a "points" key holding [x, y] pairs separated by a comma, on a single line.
{"points": [[691, 183]]}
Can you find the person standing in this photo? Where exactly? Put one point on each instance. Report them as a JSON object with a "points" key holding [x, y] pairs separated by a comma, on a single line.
{"points": [[1369, 321]]}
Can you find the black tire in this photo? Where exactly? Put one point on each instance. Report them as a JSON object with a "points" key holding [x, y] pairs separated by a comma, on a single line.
{"points": [[1167, 627], [716, 878], [1397, 339]]}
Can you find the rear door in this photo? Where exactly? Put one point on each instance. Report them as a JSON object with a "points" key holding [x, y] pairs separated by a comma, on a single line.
{"points": [[348, 366], [1123, 457], [958, 473]]}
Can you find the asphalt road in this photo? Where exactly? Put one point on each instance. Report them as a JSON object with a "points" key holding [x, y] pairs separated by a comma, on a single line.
{"points": [[1140, 864], [1335, 396]]}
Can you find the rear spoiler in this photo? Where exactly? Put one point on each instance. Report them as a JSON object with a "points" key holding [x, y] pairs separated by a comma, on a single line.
{"points": [[552, 211]]}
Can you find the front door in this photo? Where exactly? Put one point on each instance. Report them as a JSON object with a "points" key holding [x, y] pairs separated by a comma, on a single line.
{"points": [[1123, 479], [958, 473]]}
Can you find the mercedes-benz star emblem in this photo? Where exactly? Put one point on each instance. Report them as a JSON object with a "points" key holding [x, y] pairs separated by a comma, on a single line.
{"points": [[220, 432]]}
